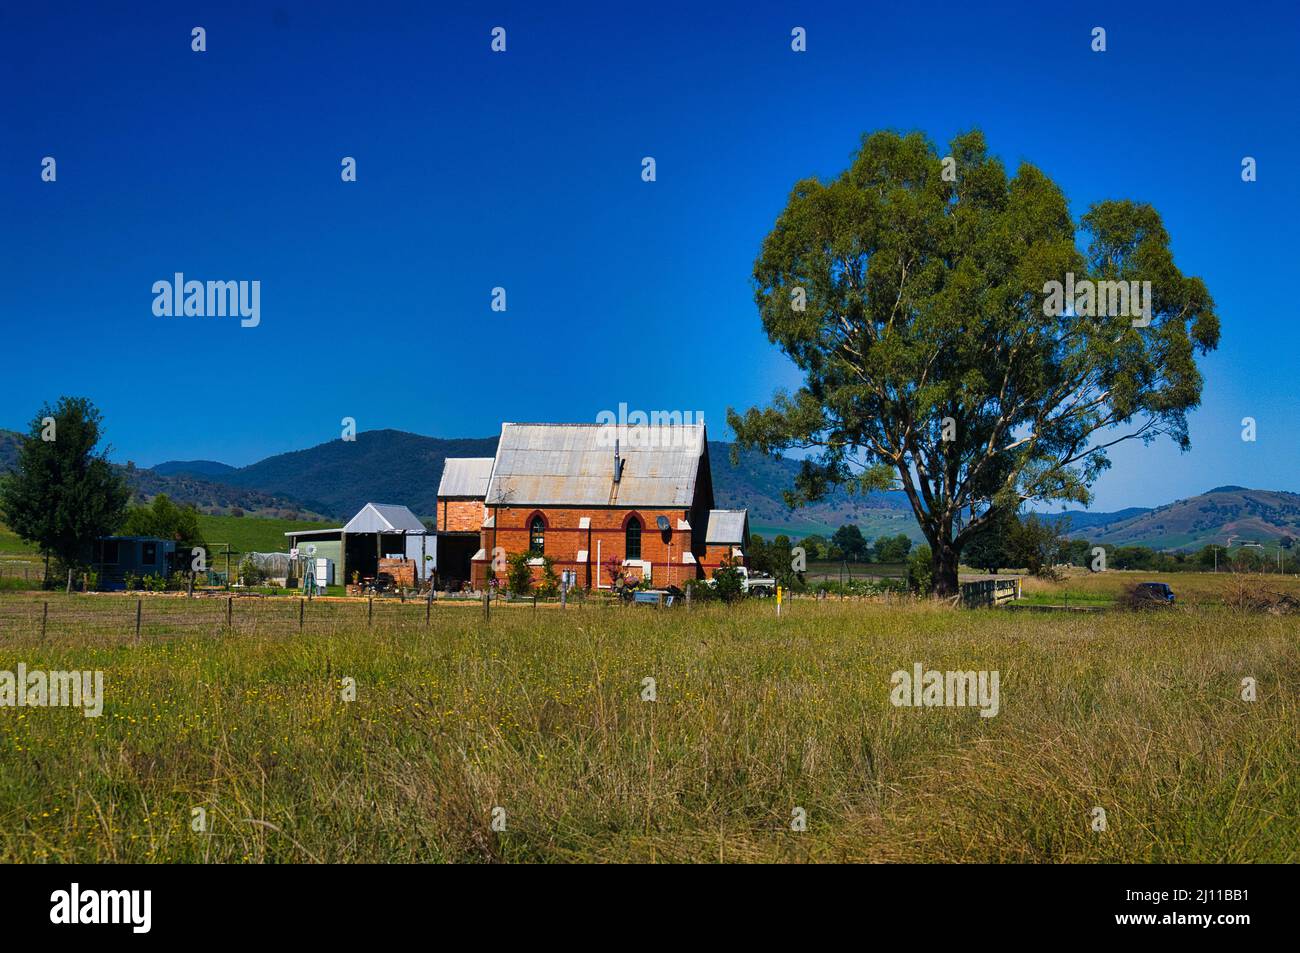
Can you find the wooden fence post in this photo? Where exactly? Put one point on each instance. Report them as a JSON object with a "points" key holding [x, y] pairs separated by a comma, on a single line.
{"points": [[300, 612], [45, 614], [370, 611], [230, 611], [139, 606], [69, 582]]}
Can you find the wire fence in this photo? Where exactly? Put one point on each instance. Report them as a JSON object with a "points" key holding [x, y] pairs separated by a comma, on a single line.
{"points": [[146, 615], [142, 617]]}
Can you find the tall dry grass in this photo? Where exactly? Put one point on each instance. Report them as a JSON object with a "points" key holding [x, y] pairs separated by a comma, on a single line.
{"points": [[1191, 588], [541, 714]]}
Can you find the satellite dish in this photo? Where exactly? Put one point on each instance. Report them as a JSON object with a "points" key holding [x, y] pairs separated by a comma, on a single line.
{"points": [[662, 523]]}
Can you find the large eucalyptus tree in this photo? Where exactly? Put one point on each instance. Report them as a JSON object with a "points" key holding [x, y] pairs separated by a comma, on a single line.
{"points": [[942, 314]]}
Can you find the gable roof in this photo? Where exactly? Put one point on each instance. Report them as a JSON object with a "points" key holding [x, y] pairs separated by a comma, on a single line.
{"points": [[573, 465], [384, 518], [727, 527], [465, 476]]}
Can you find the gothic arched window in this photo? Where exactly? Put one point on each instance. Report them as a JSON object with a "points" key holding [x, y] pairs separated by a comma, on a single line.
{"points": [[633, 539]]}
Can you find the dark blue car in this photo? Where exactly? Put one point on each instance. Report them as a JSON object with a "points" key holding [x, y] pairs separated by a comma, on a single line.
{"points": [[1157, 592]]}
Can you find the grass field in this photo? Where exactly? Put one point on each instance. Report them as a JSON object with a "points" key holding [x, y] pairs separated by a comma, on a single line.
{"points": [[21, 567], [12, 545], [247, 534], [1190, 588], [830, 571], [541, 714]]}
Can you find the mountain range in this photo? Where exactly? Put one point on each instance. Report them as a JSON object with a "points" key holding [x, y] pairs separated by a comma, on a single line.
{"points": [[331, 481], [1221, 515], [338, 478]]}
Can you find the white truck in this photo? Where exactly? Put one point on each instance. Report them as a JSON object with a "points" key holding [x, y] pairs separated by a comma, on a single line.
{"points": [[756, 584], [753, 584]]}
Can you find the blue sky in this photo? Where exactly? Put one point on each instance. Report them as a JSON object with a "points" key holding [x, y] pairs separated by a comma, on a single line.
{"points": [[522, 170]]}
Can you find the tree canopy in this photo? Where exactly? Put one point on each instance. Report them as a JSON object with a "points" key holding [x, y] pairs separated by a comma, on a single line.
{"points": [[850, 542], [166, 520], [915, 296], [892, 549]]}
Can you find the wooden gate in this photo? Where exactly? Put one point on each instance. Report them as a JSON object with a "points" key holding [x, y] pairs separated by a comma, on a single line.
{"points": [[992, 591]]}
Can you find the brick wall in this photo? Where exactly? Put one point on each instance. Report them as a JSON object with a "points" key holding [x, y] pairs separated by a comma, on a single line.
{"points": [[460, 516], [715, 556], [607, 534]]}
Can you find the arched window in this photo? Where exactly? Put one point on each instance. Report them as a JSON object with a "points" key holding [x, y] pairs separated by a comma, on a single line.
{"points": [[537, 536], [633, 541]]}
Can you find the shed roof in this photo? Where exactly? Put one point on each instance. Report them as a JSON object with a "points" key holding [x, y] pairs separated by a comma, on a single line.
{"points": [[727, 527], [384, 518], [465, 476], [573, 464]]}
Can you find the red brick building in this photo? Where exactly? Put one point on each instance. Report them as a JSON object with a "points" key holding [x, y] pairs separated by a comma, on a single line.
{"points": [[595, 499]]}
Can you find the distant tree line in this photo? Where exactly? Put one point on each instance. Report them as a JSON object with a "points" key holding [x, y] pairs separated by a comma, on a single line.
{"points": [[781, 557], [846, 544], [1028, 542], [1035, 544]]}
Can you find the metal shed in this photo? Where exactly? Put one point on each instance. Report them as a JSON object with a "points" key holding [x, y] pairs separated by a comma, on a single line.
{"points": [[138, 555], [378, 529], [384, 518]]}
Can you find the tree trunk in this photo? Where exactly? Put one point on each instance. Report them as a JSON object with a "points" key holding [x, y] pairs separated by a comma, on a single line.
{"points": [[943, 562]]}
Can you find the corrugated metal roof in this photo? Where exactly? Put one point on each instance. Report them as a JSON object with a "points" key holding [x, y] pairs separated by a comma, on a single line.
{"points": [[727, 527], [384, 518], [573, 464], [465, 476]]}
